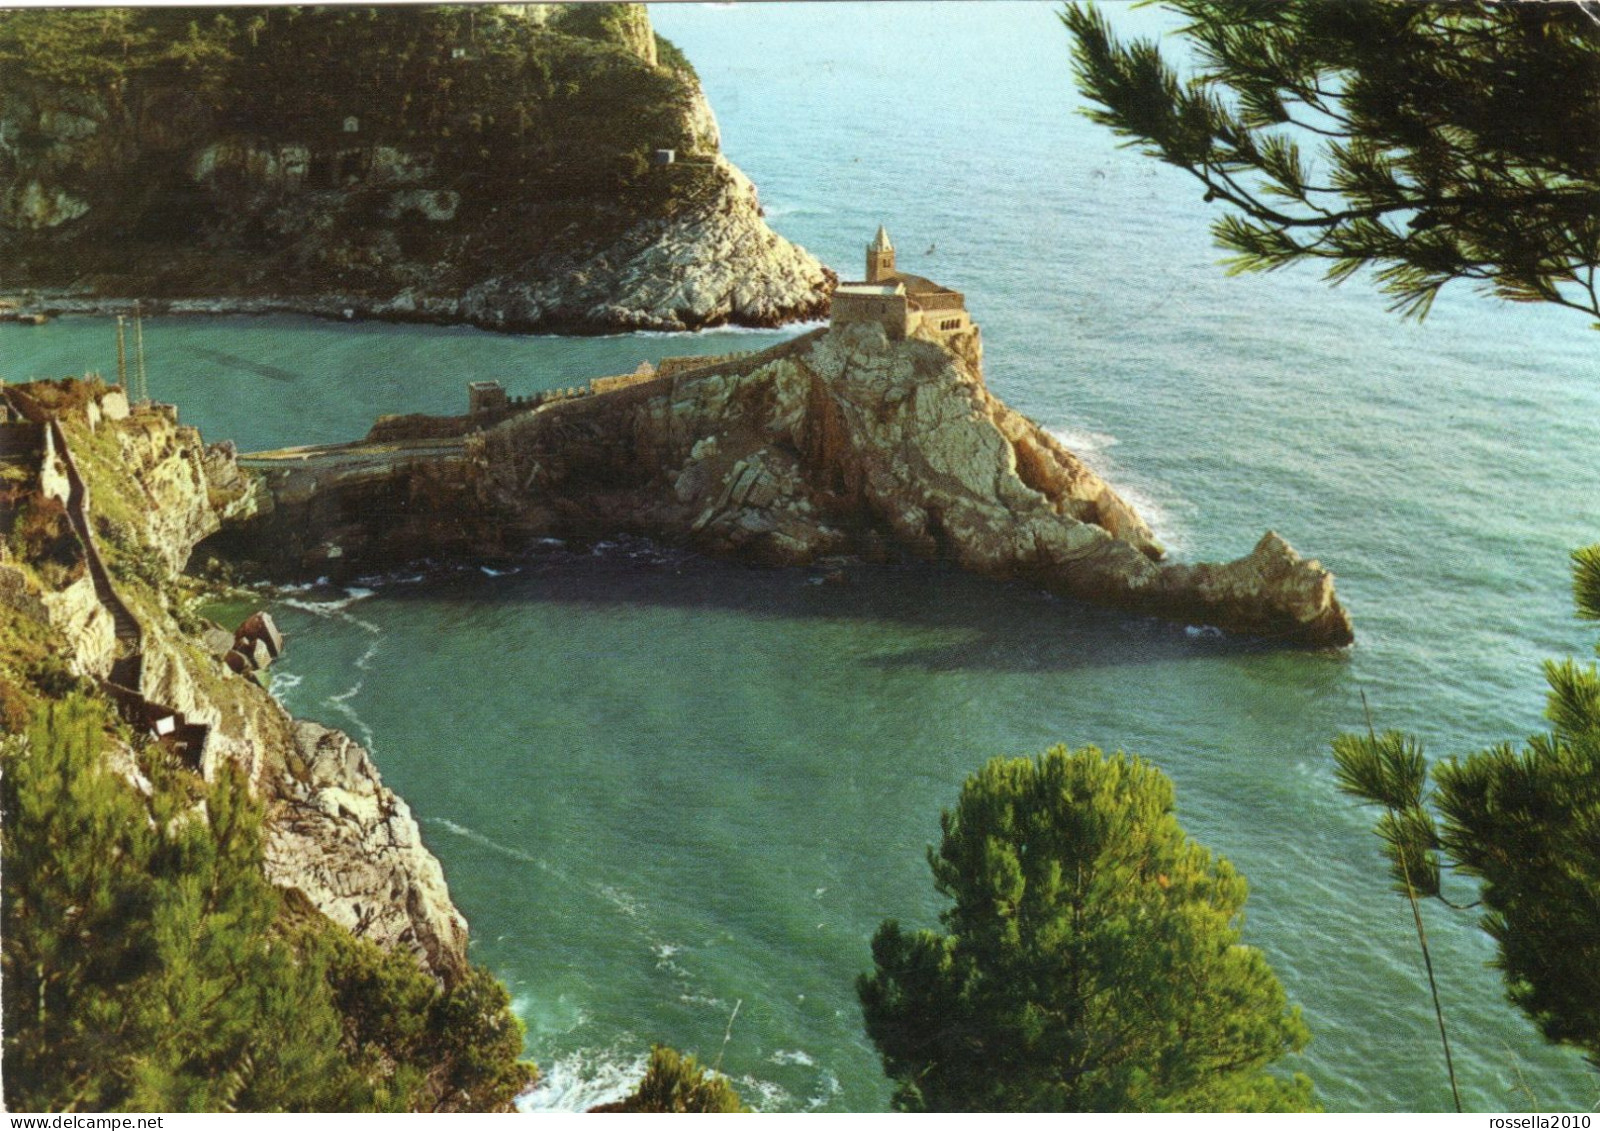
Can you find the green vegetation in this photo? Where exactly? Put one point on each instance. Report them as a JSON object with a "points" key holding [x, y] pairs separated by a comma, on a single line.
{"points": [[536, 130], [495, 94], [1091, 960], [678, 1083], [670, 55], [1452, 141], [92, 48], [1524, 824], [149, 965]]}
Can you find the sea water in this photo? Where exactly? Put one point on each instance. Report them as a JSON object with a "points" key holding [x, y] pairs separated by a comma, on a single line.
{"points": [[675, 797]]}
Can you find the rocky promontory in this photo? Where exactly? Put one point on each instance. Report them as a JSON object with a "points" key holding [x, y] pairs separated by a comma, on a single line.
{"points": [[540, 166], [842, 442]]}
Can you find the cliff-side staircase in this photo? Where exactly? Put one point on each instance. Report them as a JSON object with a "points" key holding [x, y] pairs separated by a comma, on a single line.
{"points": [[124, 683]]}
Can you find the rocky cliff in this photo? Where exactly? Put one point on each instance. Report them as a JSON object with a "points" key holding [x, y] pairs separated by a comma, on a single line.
{"points": [[500, 165], [150, 490], [840, 442]]}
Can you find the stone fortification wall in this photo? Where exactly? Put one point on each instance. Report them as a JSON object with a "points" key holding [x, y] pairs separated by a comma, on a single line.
{"points": [[892, 312], [939, 300], [622, 381], [672, 366]]}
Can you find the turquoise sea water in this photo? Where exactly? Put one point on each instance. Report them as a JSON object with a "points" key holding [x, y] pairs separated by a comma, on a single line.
{"points": [[664, 789]]}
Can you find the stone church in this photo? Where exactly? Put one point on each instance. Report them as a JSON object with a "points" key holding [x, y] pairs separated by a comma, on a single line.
{"points": [[900, 302]]}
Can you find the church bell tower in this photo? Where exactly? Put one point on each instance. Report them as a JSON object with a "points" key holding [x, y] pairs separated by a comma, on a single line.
{"points": [[880, 258]]}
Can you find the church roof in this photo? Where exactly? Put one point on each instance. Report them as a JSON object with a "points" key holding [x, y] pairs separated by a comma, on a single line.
{"points": [[887, 288], [882, 242], [917, 285]]}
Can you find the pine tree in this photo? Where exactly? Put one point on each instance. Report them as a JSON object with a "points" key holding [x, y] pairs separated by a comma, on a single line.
{"points": [[1524, 824], [149, 964], [474, 1033], [1091, 959], [1449, 141], [78, 911], [142, 967]]}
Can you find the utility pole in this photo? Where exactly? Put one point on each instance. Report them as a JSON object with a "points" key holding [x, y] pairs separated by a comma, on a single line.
{"points": [[122, 354], [138, 346]]}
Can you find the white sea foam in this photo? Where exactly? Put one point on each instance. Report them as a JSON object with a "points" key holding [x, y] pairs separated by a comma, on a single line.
{"points": [[793, 1056], [778, 211], [1094, 449], [628, 904], [763, 1095], [1084, 444], [713, 1003], [478, 838], [500, 572], [337, 607], [341, 704], [828, 1089], [787, 330], [665, 952], [582, 1080]]}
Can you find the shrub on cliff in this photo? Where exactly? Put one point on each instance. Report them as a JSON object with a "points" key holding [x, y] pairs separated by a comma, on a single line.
{"points": [[1090, 962], [149, 965], [678, 1084]]}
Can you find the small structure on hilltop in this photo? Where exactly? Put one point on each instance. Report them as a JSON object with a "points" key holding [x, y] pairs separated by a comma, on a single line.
{"points": [[485, 397], [898, 301]]}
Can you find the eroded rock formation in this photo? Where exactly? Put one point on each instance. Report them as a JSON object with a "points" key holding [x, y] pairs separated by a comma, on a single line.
{"points": [[838, 442]]}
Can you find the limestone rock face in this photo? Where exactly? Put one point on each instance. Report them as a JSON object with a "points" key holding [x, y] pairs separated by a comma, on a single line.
{"points": [[491, 196], [168, 460], [84, 626], [34, 206], [842, 441], [340, 836], [333, 830], [712, 262]]}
